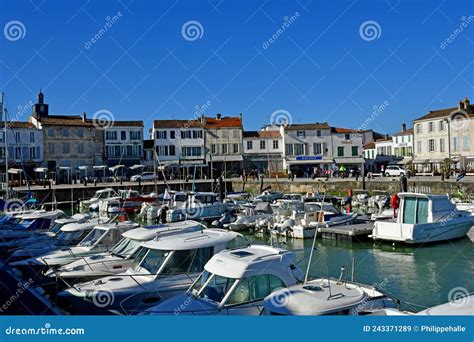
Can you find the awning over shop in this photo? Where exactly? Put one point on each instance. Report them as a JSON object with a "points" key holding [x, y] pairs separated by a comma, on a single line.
{"points": [[349, 160], [40, 169], [99, 167], [116, 167], [405, 161], [309, 161], [134, 167], [15, 171]]}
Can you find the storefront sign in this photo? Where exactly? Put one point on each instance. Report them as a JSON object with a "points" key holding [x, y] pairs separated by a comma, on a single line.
{"points": [[309, 157]]}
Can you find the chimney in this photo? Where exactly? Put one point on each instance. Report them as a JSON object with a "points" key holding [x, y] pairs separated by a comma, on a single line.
{"points": [[84, 116], [404, 127], [240, 117], [467, 104], [203, 119], [218, 116], [461, 105]]}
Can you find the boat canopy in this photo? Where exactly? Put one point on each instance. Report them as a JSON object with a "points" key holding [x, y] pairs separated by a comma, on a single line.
{"points": [[134, 167]]}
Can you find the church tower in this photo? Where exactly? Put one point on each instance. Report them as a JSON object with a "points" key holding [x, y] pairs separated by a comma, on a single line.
{"points": [[40, 109]]}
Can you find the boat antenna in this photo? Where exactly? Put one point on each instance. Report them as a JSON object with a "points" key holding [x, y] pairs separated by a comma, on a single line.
{"points": [[313, 245], [3, 113]]}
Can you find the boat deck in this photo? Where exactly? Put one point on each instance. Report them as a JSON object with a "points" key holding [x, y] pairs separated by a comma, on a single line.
{"points": [[350, 232]]}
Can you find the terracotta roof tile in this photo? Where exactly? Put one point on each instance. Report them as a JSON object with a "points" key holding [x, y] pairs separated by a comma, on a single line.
{"points": [[370, 145], [176, 123], [408, 131], [127, 124], [223, 122], [18, 124], [65, 120], [344, 130], [261, 134]]}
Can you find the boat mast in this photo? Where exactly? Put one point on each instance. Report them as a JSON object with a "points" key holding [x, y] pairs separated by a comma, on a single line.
{"points": [[5, 141]]}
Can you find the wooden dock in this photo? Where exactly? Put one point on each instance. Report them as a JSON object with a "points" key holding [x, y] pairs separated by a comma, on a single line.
{"points": [[351, 232]]}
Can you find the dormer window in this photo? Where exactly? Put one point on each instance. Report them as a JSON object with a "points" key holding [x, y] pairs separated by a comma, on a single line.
{"points": [[300, 134]]}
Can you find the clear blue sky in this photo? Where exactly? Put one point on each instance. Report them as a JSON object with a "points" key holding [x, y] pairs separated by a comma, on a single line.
{"points": [[318, 69]]}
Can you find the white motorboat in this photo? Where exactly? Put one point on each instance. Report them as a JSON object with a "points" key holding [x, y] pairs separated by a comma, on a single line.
{"points": [[360, 197], [249, 215], [171, 200], [321, 297], [424, 218], [69, 235], [50, 235], [203, 206], [461, 306], [235, 282], [315, 215], [121, 256], [164, 267], [100, 195], [36, 222], [101, 239]]}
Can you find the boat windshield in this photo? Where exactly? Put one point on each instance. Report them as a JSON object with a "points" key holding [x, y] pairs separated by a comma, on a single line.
{"points": [[56, 228], [125, 248], [66, 238], [149, 261], [95, 235], [212, 287], [102, 195]]}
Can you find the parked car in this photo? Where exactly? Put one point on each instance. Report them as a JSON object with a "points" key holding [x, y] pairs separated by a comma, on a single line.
{"points": [[145, 176], [396, 170]]}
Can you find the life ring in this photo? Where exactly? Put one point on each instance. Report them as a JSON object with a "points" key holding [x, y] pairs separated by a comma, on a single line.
{"points": [[395, 201]]}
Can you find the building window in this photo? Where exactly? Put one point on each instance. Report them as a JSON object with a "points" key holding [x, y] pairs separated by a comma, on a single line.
{"points": [[160, 134], [65, 132], [80, 132], [172, 135], [318, 133], [80, 148], [289, 149], [465, 143], [430, 126], [441, 145], [111, 135], [418, 146], [224, 149], [172, 150], [235, 148], [441, 125], [1, 136], [17, 152], [185, 134], [318, 149], [249, 145], [51, 132], [51, 148], [66, 148], [32, 152], [300, 134], [347, 136], [275, 144], [418, 128], [197, 134], [262, 144], [355, 151], [191, 151], [32, 137], [2, 152], [17, 137], [431, 145], [299, 149], [340, 151], [213, 149], [123, 135], [455, 144], [136, 135]]}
